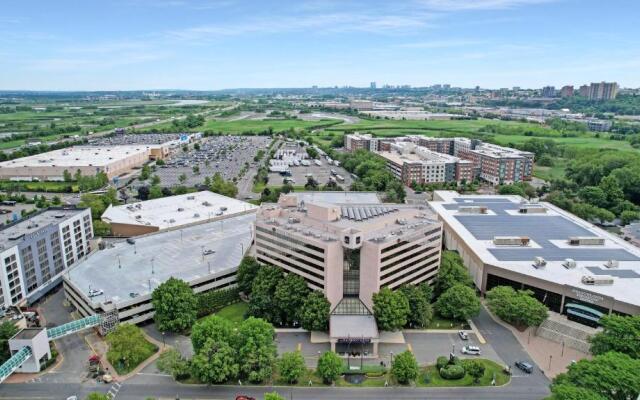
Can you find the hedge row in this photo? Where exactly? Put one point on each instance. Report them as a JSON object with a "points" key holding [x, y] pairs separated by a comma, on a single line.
{"points": [[213, 300]]}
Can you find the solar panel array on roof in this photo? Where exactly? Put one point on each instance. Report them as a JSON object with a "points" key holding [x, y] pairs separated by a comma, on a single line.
{"points": [[542, 229], [360, 213], [618, 273]]}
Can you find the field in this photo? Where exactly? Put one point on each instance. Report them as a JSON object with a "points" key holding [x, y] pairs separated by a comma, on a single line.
{"points": [[278, 125]]}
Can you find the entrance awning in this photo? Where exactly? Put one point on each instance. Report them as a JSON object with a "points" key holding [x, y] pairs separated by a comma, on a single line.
{"points": [[353, 327]]}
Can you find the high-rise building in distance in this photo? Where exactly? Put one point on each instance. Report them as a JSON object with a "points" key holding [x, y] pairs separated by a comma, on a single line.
{"points": [[548, 91], [566, 91], [603, 91]]}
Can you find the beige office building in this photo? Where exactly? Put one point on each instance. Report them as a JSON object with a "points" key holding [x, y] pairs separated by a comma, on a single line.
{"points": [[349, 251]]}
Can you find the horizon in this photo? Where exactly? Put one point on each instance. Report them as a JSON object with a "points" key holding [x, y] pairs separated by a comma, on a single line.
{"points": [[204, 45]]}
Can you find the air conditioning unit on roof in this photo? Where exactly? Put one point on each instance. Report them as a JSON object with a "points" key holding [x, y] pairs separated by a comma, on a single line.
{"points": [[611, 264], [539, 262], [569, 263]]}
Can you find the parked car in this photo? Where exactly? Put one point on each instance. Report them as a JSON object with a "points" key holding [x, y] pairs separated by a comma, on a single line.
{"points": [[525, 366], [471, 350], [245, 398], [208, 252], [95, 292], [463, 335]]}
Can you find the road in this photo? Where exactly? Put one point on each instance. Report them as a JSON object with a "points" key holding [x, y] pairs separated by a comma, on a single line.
{"points": [[151, 384]]}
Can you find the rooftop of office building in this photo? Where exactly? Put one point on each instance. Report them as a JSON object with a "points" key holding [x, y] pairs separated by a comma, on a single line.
{"points": [[570, 247], [124, 270], [324, 221], [337, 197], [78, 156], [12, 233], [175, 211]]}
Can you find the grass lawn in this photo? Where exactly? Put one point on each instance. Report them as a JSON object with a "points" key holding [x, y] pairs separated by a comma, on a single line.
{"points": [[430, 377], [234, 312], [148, 350], [439, 322], [278, 125], [44, 186], [549, 173]]}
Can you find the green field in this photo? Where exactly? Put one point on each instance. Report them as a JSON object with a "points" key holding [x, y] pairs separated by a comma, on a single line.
{"points": [[250, 125]]}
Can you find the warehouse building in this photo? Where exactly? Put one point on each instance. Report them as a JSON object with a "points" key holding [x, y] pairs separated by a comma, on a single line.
{"points": [[349, 251], [36, 251], [572, 266], [123, 275], [170, 212], [89, 160]]}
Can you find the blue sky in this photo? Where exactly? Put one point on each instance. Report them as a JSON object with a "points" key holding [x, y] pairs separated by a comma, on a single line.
{"points": [[218, 44]]}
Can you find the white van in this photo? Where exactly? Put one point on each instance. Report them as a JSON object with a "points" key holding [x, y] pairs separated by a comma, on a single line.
{"points": [[471, 350]]}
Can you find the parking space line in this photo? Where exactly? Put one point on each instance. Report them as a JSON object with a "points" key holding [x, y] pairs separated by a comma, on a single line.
{"points": [[409, 347], [299, 346]]}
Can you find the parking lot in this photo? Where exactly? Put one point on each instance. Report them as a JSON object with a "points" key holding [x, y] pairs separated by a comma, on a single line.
{"points": [[224, 154], [138, 138]]}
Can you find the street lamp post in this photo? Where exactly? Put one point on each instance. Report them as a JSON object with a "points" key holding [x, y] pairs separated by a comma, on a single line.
{"points": [[163, 342], [550, 357], [152, 265]]}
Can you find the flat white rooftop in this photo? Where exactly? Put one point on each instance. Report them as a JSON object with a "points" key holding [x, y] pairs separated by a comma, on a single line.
{"points": [[173, 211], [123, 269], [338, 197], [548, 233], [78, 156]]}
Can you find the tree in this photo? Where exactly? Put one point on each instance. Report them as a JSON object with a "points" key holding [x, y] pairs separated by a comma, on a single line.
{"points": [[518, 308], [329, 366], [451, 272], [175, 306], [213, 328], [420, 311], [612, 375], [289, 296], [127, 345], [247, 271], [570, 392], [182, 178], [458, 302], [611, 187], [390, 309], [215, 362], [220, 186], [621, 334], [172, 362], [143, 193], [263, 290], [314, 314], [405, 367], [475, 369], [311, 184], [312, 152], [67, 176], [273, 396], [256, 350], [629, 216], [7, 330], [155, 192], [155, 180], [291, 366]]}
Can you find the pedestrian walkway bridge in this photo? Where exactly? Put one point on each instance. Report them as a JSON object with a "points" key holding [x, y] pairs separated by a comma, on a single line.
{"points": [[26, 352]]}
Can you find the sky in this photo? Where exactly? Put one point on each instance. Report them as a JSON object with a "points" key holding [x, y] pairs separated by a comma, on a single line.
{"points": [[223, 44]]}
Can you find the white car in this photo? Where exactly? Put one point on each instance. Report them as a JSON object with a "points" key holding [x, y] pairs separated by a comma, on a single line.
{"points": [[471, 350], [463, 335]]}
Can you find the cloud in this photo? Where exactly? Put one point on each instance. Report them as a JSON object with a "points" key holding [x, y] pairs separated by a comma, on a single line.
{"points": [[465, 5]]}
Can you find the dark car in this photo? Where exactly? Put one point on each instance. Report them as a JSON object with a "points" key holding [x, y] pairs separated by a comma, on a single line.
{"points": [[525, 366]]}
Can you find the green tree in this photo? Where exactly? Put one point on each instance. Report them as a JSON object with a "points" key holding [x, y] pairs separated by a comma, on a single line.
{"points": [[172, 362], [213, 328], [145, 173], [215, 362], [612, 375], [629, 216], [7, 330], [175, 306], [182, 178], [611, 187], [312, 152], [67, 176], [263, 290], [247, 271], [475, 369], [405, 367], [155, 180], [256, 349], [128, 346], [329, 366], [220, 186], [155, 192], [451, 272], [458, 302], [620, 333], [518, 308], [291, 366], [390, 309], [289, 296], [420, 311], [314, 314], [570, 392]]}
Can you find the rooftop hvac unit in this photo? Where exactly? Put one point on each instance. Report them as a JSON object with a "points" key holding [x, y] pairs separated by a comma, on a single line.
{"points": [[597, 280], [511, 241], [196, 215], [586, 241], [611, 264], [539, 262], [569, 263]]}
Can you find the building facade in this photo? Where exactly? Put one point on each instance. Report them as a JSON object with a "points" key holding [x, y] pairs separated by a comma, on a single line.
{"points": [[37, 251], [603, 91]]}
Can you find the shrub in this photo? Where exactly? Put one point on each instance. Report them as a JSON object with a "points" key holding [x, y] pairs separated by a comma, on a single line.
{"points": [[452, 372], [442, 362]]}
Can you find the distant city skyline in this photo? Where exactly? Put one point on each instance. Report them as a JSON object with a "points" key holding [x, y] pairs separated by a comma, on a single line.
{"points": [[225, 44]]}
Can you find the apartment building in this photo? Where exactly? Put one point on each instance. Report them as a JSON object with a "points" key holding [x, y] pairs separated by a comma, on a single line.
{"points": [[566, 91], [603, 91], [548, 91], [356, 141], [410, 163], [36, 251]]}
